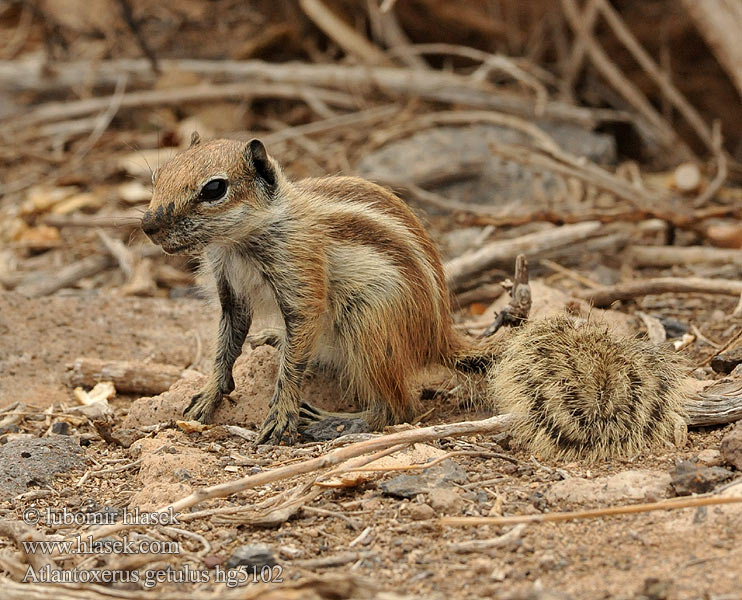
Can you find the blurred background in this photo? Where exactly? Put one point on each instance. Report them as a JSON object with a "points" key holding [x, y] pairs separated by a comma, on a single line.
{"points": [[493, 118]]}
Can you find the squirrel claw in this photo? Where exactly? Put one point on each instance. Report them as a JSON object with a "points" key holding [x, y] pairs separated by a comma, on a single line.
{"points": [[277, 426], [201, 408]]}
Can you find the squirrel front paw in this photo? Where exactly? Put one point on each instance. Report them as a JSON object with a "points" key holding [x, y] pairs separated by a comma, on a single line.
{"points": [[277, 425], [202, 406]]}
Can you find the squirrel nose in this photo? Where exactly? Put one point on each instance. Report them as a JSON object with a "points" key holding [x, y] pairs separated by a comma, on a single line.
{"points": [[150, 224]]}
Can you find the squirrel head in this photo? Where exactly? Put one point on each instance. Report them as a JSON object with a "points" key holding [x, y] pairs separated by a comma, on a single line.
{"points": [[204, 193]]}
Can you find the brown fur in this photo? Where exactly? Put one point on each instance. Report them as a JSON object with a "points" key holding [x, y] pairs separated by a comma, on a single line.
{"points": [[355, 276], [359, 286]]}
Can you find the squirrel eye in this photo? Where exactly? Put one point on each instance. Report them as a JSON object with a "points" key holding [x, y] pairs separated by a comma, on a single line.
{"points": [[213, 190]]}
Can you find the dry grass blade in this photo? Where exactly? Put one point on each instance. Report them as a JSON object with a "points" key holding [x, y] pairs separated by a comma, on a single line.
{"points": [[589, 514], [605, 296], [335, 457]]}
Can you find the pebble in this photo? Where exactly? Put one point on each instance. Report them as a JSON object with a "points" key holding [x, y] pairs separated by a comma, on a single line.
{"points": [[421, 512], [731, 447]]}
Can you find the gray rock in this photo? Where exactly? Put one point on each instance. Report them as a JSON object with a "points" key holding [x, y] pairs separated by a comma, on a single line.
{"points": [[726, 362], [428, 153], [691, 478], [252, 556], [409, 486], [731, 447], [333, 427], [27, 463], [61, 428], [638, 485]]}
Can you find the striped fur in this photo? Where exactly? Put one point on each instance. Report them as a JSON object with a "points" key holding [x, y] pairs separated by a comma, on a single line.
{"points": [[356, 279], [578, 392], [359, 287]]}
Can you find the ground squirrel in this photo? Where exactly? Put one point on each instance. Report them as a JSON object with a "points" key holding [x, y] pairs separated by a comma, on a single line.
{"points": [[357, 281]]}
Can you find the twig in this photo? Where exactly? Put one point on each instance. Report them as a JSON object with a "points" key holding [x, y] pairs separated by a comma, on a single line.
{"points": [[54, 111], [651, 68], [517, 310], [467, 117], [605, 296], [488, 545], [659, 129], [19, 532], [579, 48], [656, 203], [668, 256], [337, 456], [588, 514], [586, 281], [459, 270], [347, 38]]}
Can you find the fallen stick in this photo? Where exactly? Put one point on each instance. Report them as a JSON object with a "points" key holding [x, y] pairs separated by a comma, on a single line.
{"points": [[718, 404], [668, 256], [37, 284], [19, 532], [425, 434], [589, 514], [129, 376], [396, 81], [66, 276], [54, 111], [345, 36], [605, 296], [459, 270]]}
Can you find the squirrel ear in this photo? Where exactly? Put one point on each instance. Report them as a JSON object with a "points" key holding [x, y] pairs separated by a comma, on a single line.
{"points": [[195, 139], [257, 155]]}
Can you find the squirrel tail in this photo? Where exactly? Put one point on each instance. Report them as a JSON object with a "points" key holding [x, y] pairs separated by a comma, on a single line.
{"points": [[576, 391]]}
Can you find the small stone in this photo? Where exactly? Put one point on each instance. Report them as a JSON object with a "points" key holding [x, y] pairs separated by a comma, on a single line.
{"points": [[333, 427], [445, 500], [709, 457], [421, 512], [628, 486], [481, 565], [61, 428], [691, 478], [547, 561], [409, 486], [731, 447], [655, 589], [252, 556], [726, 362], [212, 560]]}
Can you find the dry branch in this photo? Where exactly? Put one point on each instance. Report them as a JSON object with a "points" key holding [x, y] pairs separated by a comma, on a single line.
{"points": [[425, 434], [459, 270], [590, 514], [345, 36], [667, 256], [607, 295], [394, 81], [66, 276], [720, 23], [717, 404], [55, 111], [659, 129], [133, 377]]}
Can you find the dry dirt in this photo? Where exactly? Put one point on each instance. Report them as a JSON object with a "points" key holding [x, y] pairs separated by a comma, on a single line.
{"points": [[400, 546]]}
